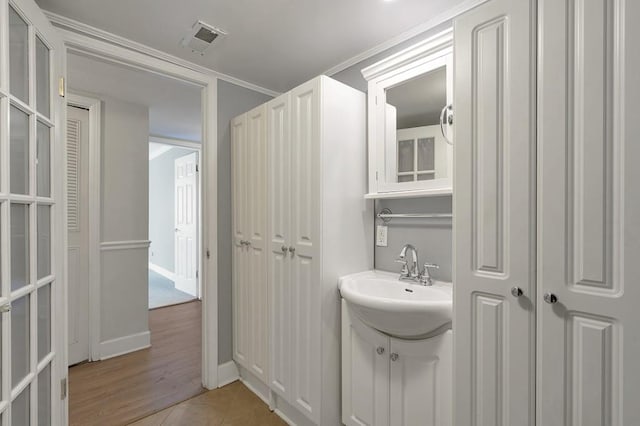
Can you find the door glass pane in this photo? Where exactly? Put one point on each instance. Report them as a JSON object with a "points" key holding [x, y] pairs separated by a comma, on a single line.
{"points": [[44, 160], [44, 396], [19, 151], [405, 156], [44, 321], [18, 56], [426, 176], [20, 354], [20, 408], [44, 241], [405, 178], [42, 78], [19, 246], [426, 154]]}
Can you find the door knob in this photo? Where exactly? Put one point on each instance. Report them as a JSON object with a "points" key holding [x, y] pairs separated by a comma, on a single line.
{"points": [[5, 308], [550, 298], [292, 249], [516, 292], [394, 356], [380, 350], [284, 249]]}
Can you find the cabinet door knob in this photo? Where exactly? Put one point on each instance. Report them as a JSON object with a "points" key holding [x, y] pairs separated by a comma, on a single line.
{"points": [[292, 249], [516, 292], [394, 356], [550, 298], [380, 350], [284, 249], [5, 308]]}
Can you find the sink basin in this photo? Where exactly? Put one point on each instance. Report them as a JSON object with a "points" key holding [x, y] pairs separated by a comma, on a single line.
{"points": [[402, 309]]}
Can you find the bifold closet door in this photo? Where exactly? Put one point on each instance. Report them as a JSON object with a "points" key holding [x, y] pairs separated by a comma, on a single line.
{"points": [[494, 224], [589, 213]]}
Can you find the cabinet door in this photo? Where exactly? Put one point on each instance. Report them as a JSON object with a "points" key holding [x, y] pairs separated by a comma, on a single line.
{"points": [[305, 202], [241, 312], [589, 215], [279, 264], [365, 373], [495, 205], [421, 375], [258, 302]]}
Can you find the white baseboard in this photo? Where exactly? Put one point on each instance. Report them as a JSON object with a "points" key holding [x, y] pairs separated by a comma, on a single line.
{"points": [[162, 271], [227, 373], [124, 345]]}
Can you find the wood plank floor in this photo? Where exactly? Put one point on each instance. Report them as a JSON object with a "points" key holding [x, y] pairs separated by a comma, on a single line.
{"points": [[233, 404], [121, 390]]}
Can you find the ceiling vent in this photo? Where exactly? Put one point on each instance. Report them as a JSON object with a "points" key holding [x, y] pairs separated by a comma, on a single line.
{"points": [[201, 36]]}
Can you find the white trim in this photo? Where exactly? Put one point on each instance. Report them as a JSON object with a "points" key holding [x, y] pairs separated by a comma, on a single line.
{"points": [[158, 152], [415, 31], [197, 146], [69, 24], [125, 345], [95, 132], [162, 271], [124, 245], [227, 373]]}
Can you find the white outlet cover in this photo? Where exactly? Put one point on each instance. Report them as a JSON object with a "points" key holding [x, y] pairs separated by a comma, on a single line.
{"points": [[381, 236]]}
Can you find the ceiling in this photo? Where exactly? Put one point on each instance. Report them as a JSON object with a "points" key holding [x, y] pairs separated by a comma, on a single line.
{"points": [[174, 106], [419, 101], [275, 44]]}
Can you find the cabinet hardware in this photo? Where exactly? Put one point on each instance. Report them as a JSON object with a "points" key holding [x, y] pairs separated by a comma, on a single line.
{"points": [[394, 356], [292, 249], [516, 292], [284, 249], [5, 308], [380, 350], [550, 298]]}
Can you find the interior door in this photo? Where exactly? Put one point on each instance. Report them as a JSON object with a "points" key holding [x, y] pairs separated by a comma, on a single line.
{"points": [[186, 223], [32, 255], [589, 214], [78, 232], [494, 224]]}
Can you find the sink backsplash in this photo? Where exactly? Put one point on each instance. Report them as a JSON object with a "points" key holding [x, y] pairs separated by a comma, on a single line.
{"points": [[432, 237]]}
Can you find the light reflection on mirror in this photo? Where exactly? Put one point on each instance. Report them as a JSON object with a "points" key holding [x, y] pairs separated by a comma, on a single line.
{"points": [[414, 147]]}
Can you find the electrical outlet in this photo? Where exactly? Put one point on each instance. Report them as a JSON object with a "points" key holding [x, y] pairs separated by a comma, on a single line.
{"points": [[381, 236]]}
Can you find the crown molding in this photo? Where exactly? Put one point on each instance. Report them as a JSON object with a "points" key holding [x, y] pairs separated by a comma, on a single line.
{"points": [[74, 26], [415, 31]]}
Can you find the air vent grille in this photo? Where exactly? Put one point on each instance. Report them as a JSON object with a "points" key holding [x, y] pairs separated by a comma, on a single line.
{"points": [[201, 36]]}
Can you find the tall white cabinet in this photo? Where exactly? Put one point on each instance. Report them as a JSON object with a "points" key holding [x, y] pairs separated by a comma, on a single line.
{"points": [[319, 228], [547, 213]]}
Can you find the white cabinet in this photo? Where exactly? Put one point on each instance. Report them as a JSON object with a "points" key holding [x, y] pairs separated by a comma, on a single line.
{"points": [[547, 202], [250, 305], [394, 382]]}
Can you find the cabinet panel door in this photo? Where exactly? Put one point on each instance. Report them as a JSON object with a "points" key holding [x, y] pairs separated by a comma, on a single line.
{"points": [[257, 223], [365, 373], [495, 207], [279, 264], [305, 182], [421, 376], [241, 321], [589, 215]]}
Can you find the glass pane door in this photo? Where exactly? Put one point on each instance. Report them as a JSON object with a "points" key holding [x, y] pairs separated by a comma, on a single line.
{"points": [[28, 212]]}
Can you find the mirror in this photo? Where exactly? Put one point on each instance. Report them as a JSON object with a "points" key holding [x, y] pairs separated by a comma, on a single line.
{"points": [[410, 151]]}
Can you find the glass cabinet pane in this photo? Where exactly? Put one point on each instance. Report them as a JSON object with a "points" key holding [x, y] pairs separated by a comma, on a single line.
{"points": [[18, 56], [405, 156], [426, 154], [19, 151], [44, 397], [44, 241], [20, 354], [43, 161], [19, 246], [44, 321], [42, 78], [20, 408]]}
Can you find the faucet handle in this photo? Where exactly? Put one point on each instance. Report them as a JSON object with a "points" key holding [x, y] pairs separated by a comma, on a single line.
{"points": [[428, 266], [405, 267]]}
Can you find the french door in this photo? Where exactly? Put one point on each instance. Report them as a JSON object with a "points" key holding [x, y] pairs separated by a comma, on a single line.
{"points": [[30, 217]]}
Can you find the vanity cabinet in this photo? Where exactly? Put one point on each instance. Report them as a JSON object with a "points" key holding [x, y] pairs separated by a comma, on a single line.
{"points": [[394, 382]]}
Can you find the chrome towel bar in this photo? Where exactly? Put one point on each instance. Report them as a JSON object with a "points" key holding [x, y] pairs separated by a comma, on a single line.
{"points": [[386, 215]]}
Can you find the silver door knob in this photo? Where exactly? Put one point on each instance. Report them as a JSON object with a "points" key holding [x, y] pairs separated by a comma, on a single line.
{"points": [[516, 292], [284, 249], [394, 356], [380, 350], [292, 249], [550, 298]]}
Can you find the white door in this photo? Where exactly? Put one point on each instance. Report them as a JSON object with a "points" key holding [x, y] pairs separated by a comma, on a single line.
{"points": [[186, 223], [78, 232], [495, 210], [589, 214], [31, 218]]}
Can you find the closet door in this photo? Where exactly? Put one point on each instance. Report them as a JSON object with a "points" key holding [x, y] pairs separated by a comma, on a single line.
{"points": [[494, 224], [279, 199], [256, 248], [589, 223], [241, 310], [305, 249]]}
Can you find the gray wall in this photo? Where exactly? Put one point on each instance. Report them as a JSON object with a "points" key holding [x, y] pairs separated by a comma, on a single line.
{"points": [[433, 238], [232, 101], [162, 208]]}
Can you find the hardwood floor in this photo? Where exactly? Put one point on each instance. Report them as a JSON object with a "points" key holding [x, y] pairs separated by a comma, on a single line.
{"points": [[233, 404], [121, 390]]}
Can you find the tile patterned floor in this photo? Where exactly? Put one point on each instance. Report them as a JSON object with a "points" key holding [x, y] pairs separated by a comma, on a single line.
{"points": [[233, 404]]}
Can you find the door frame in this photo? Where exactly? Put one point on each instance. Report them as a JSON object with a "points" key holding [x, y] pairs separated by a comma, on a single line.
{"points": [[117, 53]]}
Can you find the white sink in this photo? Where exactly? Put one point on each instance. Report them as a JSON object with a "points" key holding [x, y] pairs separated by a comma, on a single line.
{"points": [[402, 309]]}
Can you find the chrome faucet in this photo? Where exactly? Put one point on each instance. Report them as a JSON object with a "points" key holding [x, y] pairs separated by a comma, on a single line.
{"points": [[414, 273]]}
